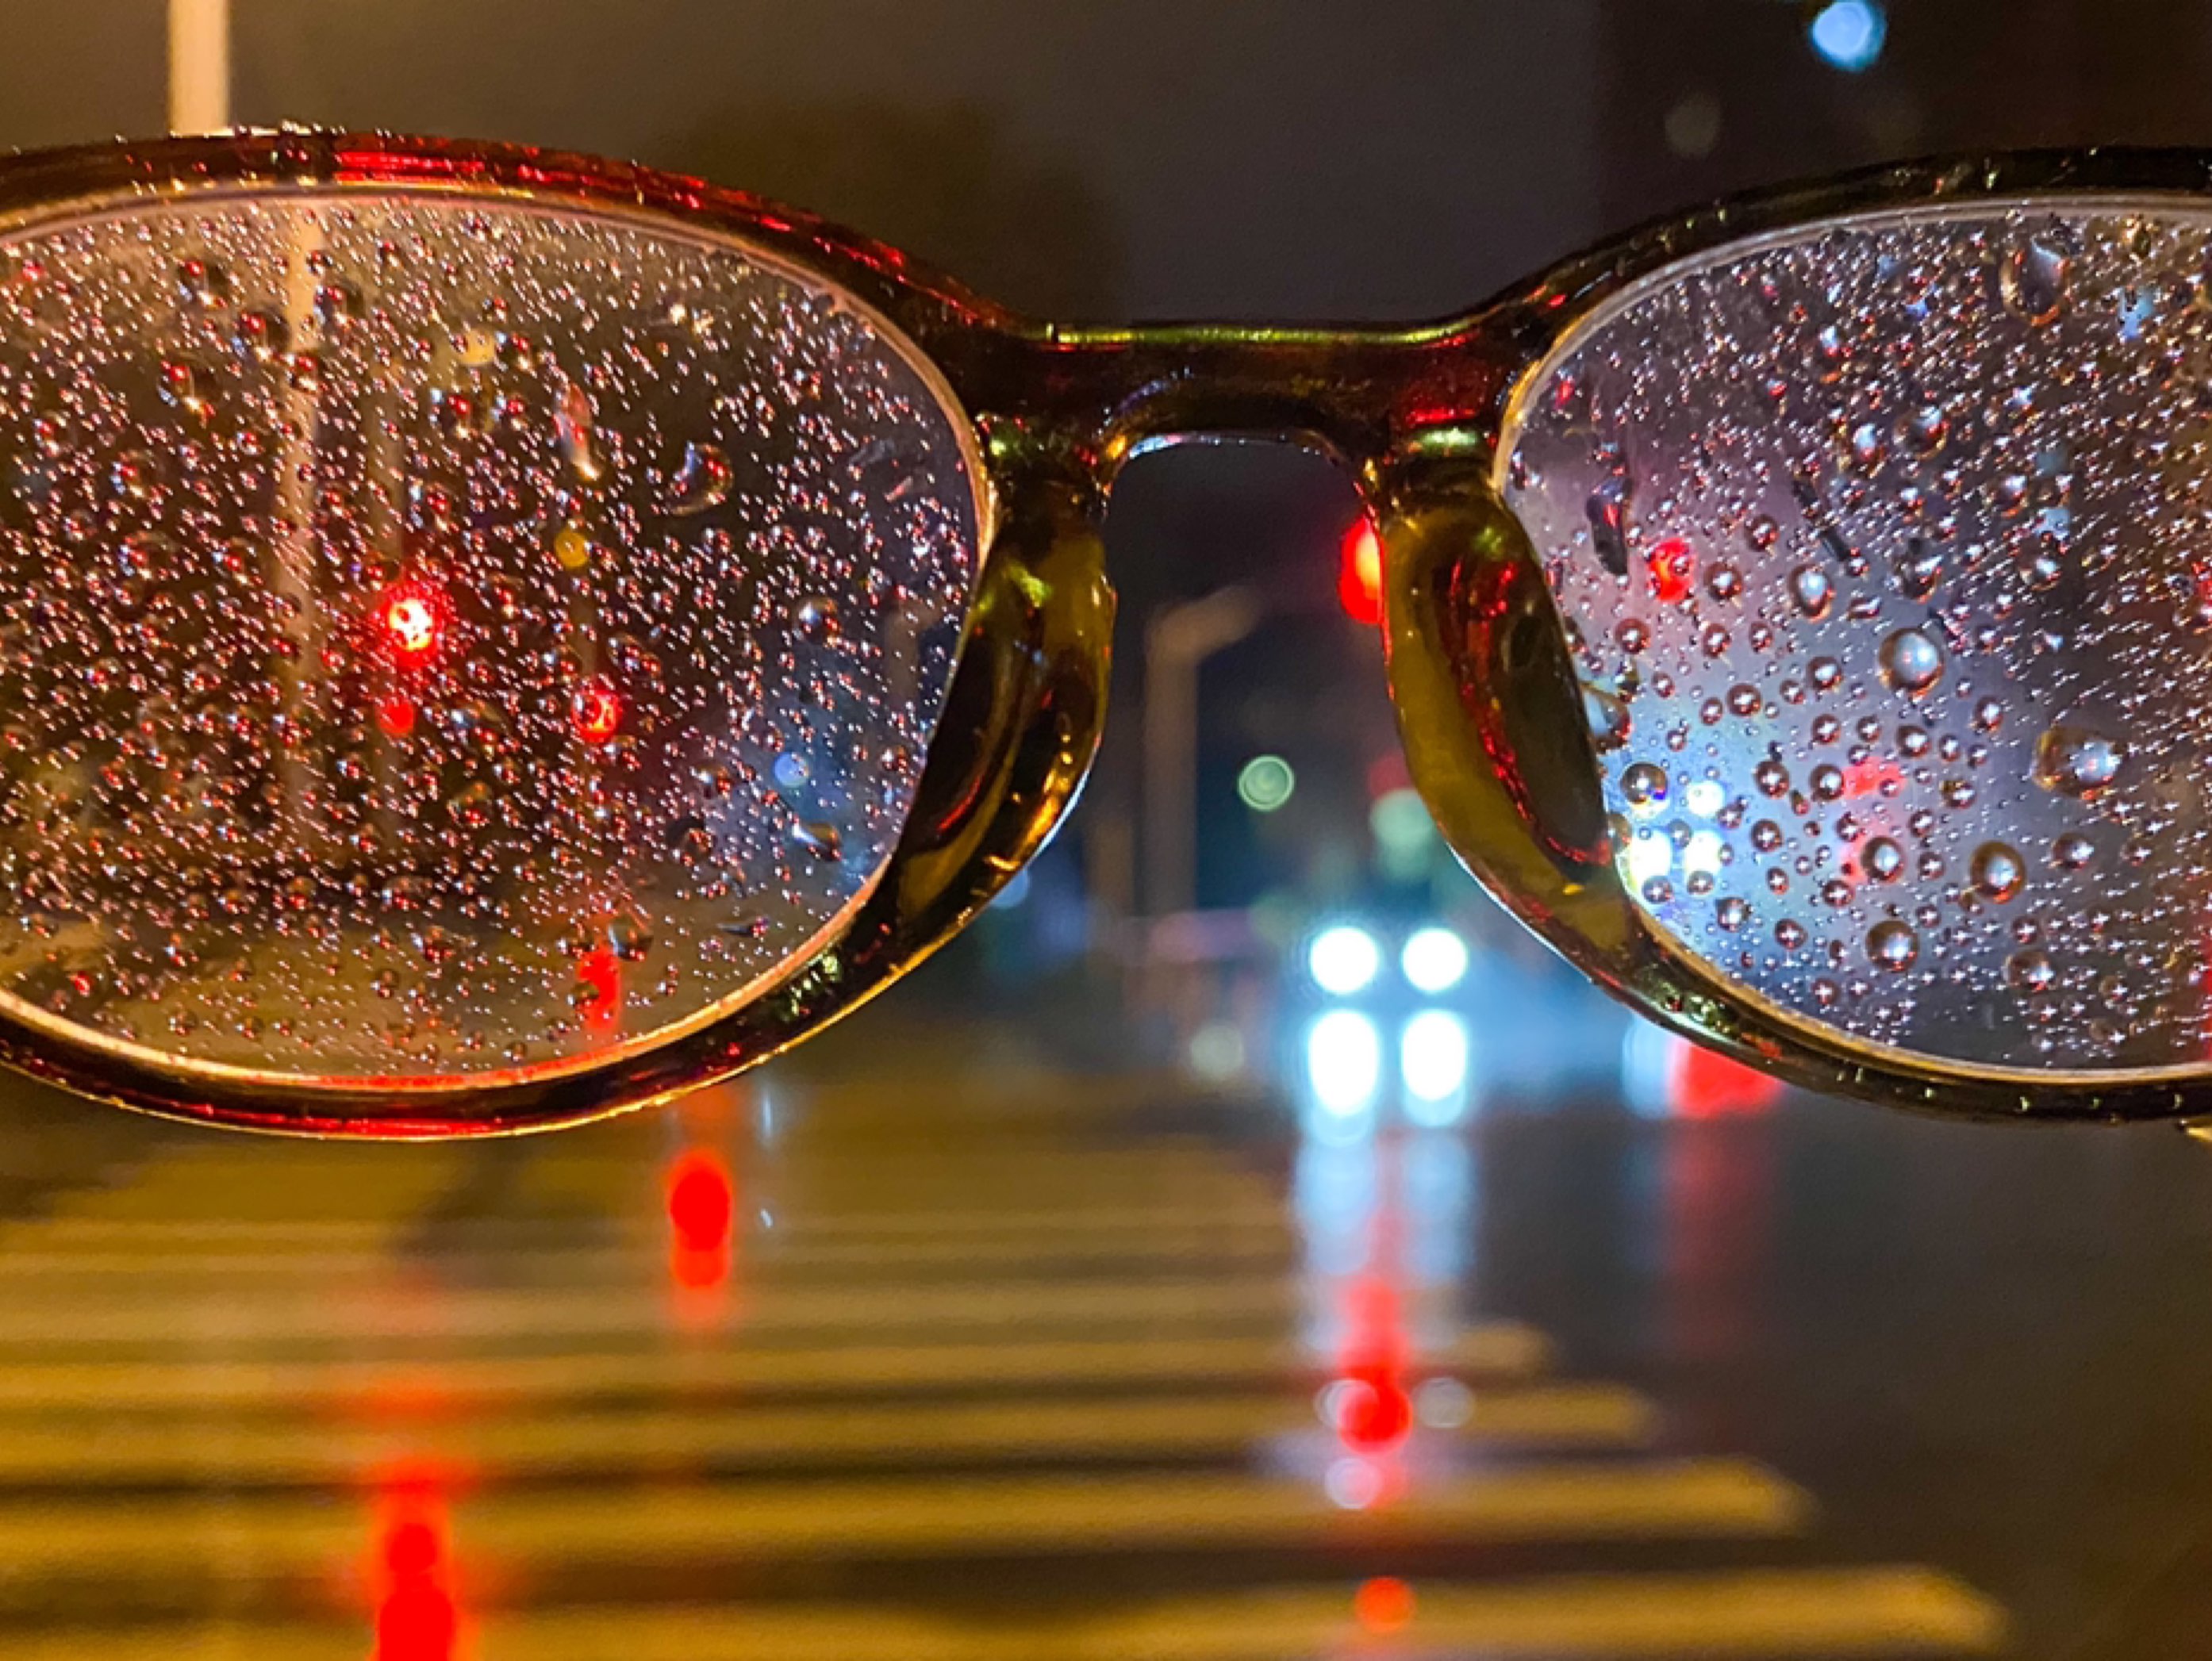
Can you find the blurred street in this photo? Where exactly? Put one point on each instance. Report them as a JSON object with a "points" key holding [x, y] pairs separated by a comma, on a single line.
{"points": [[935, 1348]]}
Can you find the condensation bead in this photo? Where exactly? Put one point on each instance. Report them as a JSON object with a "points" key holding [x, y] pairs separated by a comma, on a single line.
{"points": [[441, 638], [1950, 469]]}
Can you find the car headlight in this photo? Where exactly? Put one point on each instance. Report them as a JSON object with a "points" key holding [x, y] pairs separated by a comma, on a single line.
{"points": [[1434, 959], [1344, 960]]}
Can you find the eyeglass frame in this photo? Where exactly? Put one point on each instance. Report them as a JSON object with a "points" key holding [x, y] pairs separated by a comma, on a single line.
{"points": [[1488, 706]]}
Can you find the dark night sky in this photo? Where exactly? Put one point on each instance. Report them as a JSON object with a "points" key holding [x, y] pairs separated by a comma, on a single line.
{"points": [[1254, 156]]}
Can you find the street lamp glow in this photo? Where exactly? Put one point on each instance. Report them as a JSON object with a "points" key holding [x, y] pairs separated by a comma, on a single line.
{"points": [[1434, 959], [1344, 960], [1343, 1062]]}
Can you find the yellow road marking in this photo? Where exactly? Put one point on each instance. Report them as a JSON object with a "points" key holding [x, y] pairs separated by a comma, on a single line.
{"points": [[618, 1444], [1500, 1350], [552, 1532], [1763, 1613]]}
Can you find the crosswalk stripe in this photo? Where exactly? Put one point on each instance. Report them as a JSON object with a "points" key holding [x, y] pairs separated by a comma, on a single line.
{"points": [[1771, 1614], [614, 1444], [1495, 1351], [552, 1532], [157, 1314], [163, 1234], [151, 1263]]}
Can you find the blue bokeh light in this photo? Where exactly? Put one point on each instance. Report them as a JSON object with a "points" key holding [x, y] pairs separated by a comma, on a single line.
{"points": [[1848, 33]]}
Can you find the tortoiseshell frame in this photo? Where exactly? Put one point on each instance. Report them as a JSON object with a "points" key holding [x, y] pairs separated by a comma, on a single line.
{"points": [[1486, 698]]}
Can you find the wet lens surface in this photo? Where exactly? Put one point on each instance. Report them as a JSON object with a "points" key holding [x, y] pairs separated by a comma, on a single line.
{"points": [[438, 638], [1886, 550]]}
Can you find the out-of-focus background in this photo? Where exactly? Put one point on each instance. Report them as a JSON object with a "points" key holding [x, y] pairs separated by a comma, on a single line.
{"points": [[1244, 1244]]}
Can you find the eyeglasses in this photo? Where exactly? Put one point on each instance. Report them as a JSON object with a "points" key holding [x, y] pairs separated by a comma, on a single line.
{"points": [[491, 637]]}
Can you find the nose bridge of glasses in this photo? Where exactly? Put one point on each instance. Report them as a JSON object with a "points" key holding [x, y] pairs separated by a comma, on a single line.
{"points": [[1351, 392], [1491, 712]]}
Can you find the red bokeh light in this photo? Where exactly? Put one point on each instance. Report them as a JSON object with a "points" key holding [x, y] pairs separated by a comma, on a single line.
{"points": [[409, 617], [1672, 566], [395, 716], [1375, 1411], [596, 710], [702, 1203], [1704, 1083], [1359, 574], [1384, 1603], [700, 1200], [599, 987]]}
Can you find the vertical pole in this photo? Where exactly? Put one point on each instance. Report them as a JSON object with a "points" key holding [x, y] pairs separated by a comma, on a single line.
{"points": [[199, 65], [1176, 642]]}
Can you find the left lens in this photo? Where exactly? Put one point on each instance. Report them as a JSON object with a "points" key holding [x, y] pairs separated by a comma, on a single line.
{"points": [[1883, 544], [448, 640]]}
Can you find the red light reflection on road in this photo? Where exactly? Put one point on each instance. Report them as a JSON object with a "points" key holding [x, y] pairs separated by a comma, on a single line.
{"points": [[417, 1608], [1384, 1604], [701, 1198]]}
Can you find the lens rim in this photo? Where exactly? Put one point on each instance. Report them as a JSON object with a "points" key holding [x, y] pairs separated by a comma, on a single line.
{"points": [[1033, 651], [1474, 718]]}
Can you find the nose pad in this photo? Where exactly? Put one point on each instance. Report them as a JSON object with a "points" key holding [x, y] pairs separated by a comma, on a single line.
{"points": [[1492, 716]]}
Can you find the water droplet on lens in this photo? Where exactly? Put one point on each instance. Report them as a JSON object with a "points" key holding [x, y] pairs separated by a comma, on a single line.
{"points": [[703, 481], [1732, 913], [338, 304], [571, 426], [203, 282], [2032, 280], [1812, 590], [1997, 870], [1925, 429], [1762, 533], [1724, 582], [2029, 970], [1882, 860], [1607, 512], [818, 838], [1866, 445], [1608, 717], [629, 936], [1891, 945], [2072, 851], [1643, 785], [1910, 662], [2071, 761], [817, 616], [1918, 569]]}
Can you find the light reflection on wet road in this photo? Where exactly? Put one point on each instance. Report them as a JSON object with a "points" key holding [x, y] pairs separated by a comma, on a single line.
{"points": [[1086, 1368]]}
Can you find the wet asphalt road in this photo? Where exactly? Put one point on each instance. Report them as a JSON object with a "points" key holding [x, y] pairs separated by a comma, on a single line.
{"points": [[981, 1360]]}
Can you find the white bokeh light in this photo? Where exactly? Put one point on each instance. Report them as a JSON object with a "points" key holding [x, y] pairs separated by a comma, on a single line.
{"points": [[1344, 960], [1434, 959]]}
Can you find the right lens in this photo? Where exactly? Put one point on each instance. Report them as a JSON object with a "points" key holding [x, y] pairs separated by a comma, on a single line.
{"points": [[447, 638], [1886, 544]]}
